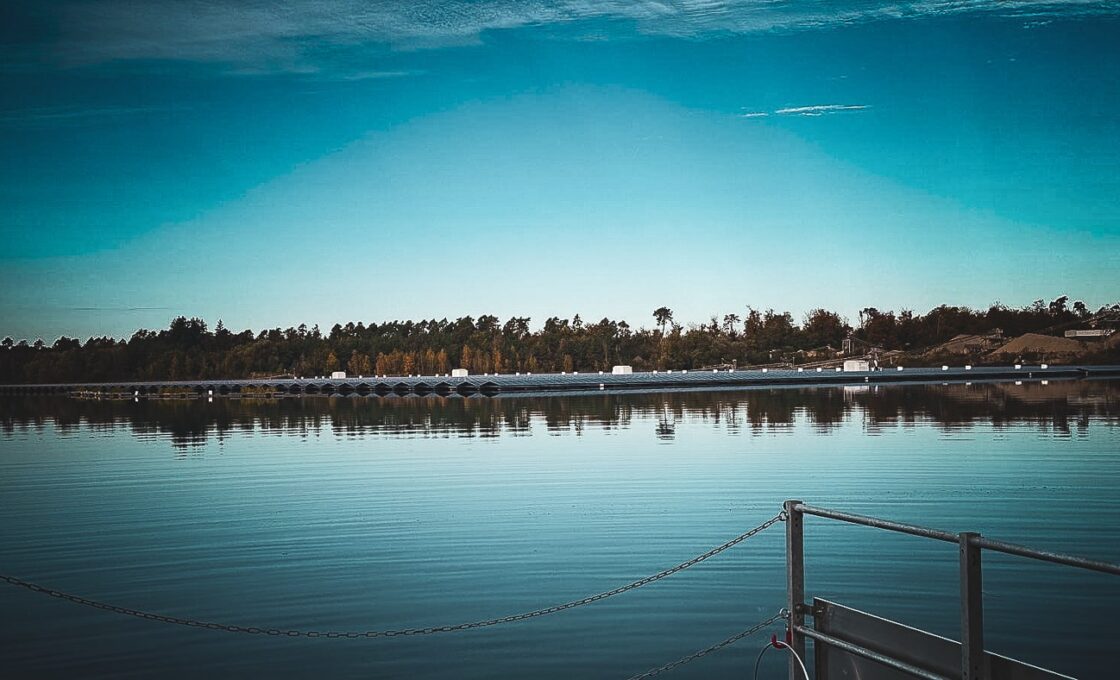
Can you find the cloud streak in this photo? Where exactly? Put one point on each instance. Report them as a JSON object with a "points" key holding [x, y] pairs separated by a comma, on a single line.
{"points": [[299, 36], [813, 110], [820, 109], [70, 115]]}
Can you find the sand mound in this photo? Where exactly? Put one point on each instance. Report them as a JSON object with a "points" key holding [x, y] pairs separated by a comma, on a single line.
{"points": [[1033, 343], [962, 344]]}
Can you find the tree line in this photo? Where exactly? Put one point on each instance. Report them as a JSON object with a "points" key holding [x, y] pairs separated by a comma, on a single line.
{"points": [[188, 349]]}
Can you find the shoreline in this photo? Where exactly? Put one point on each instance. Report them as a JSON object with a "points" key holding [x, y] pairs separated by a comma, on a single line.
{"points": [[552, 383]]}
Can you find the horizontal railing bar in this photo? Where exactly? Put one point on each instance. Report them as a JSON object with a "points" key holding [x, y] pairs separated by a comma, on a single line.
{"points": [[980, 541], [870, 654], [911, 529], [1046, 556]]}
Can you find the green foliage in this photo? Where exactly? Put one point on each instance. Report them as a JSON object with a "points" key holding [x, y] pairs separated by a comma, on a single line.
{"points": [[187, 350]]}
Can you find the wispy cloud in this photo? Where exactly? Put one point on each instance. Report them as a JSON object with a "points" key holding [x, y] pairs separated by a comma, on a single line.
{"points": [[820, 109], [378, 75], [812, 110], [102, 308], [72, 115], [117, 309], [290, 35]]}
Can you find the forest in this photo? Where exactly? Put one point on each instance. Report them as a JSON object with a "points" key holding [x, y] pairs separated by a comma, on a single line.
{"points": [[189, 349]]}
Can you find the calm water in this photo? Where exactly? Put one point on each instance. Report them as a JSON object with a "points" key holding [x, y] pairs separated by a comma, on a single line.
{"points": [[366, 513]]}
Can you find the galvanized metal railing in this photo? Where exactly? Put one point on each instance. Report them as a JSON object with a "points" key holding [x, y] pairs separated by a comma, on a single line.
{"points": [[970, 546]]}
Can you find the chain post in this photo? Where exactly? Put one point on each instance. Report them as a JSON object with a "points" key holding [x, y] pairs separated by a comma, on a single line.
{"points": [[972, 609], [795, 582]]}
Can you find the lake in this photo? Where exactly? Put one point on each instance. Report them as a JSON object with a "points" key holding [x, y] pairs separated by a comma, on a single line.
{"points": [[370, 513]]}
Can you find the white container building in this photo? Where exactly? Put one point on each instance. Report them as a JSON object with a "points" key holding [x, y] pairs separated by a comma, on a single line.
{"points": [[857, 365]]}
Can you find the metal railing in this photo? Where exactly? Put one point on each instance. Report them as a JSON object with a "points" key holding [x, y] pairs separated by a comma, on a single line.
{"points": [[970, 546]]}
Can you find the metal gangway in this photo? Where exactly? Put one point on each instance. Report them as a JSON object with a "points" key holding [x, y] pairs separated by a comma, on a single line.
{"points": [[849, 643]]}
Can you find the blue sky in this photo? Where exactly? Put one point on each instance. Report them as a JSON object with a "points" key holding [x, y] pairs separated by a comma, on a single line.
{"points": [[285, 162]]}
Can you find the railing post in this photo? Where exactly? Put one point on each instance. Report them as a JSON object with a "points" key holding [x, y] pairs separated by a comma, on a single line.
{"points": [[972, 609], [795, 583]]}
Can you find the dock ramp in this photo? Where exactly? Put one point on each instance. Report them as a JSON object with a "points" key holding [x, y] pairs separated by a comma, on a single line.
{"points": [[850, 644]]}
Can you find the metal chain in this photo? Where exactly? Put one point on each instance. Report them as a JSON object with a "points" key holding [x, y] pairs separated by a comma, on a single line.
{"points": [[252, 630], [708, 650]]}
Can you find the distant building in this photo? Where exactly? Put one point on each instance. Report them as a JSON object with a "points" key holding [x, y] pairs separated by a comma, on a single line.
{"points": [[338, 375], [1090, 333], [825, 352], [856, 365]]}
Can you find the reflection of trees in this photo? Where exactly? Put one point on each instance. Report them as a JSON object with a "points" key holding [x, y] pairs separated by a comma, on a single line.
{"points": [[1059, 407]]}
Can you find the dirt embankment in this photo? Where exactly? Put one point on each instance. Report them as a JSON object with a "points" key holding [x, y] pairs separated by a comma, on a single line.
{"points": [[1036, 345]]}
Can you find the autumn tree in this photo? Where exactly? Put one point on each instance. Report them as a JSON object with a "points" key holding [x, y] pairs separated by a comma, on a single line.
{"points": [[428, 363], [359, 363]]}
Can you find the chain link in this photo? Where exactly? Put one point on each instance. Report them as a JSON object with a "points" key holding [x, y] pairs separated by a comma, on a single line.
{"points": [[708, 650], [253, 630]]}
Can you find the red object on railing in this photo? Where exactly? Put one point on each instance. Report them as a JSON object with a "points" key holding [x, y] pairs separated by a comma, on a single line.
{"points": [[777, 644]]}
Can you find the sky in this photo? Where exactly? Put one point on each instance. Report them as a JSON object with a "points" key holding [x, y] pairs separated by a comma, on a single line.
{"points": [[276, 163]]}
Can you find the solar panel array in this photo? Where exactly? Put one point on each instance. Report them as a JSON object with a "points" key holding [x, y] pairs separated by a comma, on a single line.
{"points": [[581, 382]]}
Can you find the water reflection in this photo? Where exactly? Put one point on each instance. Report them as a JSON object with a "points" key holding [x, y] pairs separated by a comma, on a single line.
{"points": [[1062, 408]]}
